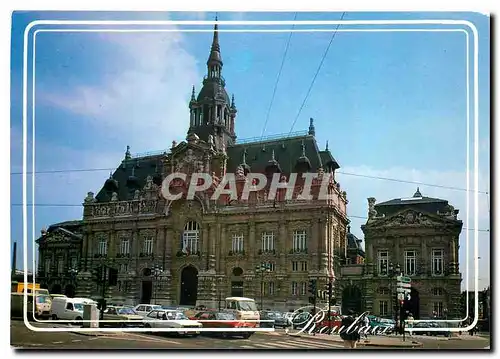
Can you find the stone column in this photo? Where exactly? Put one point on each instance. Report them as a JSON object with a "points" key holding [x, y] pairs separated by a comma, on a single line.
{"points": [[213, 254], [282, 247], [322, 248], [164, 288], [252, 244], [168, 238], [133, 293], [315, 245], [222, 232], [425, 255]]}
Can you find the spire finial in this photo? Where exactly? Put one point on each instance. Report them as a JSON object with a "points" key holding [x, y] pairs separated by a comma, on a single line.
{"points": [[215, 42], [192, 95], [272, 156], [303, 149], [417, 194], [110, 174], [326, 149], [127, 153], [312, 131], [133, 171], [232, 101]]}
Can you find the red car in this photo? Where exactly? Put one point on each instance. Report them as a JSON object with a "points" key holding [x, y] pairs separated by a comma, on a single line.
{"points": [[212, 319]]}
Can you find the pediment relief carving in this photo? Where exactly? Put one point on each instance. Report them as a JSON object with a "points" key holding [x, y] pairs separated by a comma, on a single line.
{"points": [[407, 218], [101, 236], [123, 234], [147, 232], [237, 229], [299, 225], [268, 227]]}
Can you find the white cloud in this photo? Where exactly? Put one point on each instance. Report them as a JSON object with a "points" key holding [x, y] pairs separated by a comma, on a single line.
{"points": [[150, 95], [359, 188]]}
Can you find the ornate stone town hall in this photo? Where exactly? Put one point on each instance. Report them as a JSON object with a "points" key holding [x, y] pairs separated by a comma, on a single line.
{"points": [[196, 252]]}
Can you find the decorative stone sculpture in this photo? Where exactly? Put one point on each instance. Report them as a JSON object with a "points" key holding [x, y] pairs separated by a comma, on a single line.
{"points": [[371, 207], [114, 197], [136, 194], [90, 197], [149, 183]]}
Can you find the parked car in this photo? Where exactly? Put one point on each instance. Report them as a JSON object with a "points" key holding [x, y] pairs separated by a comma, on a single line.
{"points": [[125, 317], [161, 318], [213, 319], [144, 309], [300, 320], [421, 325], [383, 324], [271, 319]]}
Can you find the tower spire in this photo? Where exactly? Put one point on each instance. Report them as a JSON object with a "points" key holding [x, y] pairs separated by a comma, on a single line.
{"points": [[312, 130], [193, 98], [214, 60]]}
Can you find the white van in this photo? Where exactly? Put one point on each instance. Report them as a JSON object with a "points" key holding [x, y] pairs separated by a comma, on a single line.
{"points": [[244, 309], [64, 308]]}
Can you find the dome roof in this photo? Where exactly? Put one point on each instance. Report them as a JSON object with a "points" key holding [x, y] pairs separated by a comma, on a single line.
{"points": [[213, 90], [111, 184], [133, 181], [272, 165], [303, 164]]}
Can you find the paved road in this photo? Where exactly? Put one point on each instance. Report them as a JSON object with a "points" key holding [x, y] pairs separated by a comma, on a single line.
{"points": [[22, 337]]}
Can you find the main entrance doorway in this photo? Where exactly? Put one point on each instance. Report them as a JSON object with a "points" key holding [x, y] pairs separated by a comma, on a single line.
{"points": [[189, 286], [351, 300], [146, 292]]}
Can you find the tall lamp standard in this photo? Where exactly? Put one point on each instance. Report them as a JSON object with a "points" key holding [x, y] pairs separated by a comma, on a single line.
{"points": [[262, 268], [391, 273], [219, 292], [73, 272], [157, 272]]}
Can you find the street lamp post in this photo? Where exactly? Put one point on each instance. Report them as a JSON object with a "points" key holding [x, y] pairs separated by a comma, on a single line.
{"points": [[157, 272], [219, 292], [73, 272], [262, 268], [391, 273]]}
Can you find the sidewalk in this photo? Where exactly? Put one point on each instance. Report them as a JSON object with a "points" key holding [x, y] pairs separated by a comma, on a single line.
{"points": [[373, 341], [90, 334]]}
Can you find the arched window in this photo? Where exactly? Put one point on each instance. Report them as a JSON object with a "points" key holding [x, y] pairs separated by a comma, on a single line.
{"points": [[190, 237]]}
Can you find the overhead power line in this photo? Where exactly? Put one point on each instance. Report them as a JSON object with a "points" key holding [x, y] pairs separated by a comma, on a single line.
{"points": [[338, 172], [278, 79], [316, 74], [80, 205]]}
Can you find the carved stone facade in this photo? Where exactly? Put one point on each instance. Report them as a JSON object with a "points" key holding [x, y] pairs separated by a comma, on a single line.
{"points": [[420, 235], [208, 249], [59, 250]]}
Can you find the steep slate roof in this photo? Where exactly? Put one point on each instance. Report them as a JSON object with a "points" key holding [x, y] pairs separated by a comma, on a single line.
{"points": [[418, 202], [354, 244], [142, 168], [286, 152]]}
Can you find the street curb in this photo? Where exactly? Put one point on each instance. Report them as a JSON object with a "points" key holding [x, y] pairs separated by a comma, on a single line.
{"points": [[96, 334], [412, 345]]}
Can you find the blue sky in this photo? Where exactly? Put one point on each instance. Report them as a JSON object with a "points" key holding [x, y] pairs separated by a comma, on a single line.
{"points": [[390, 104]]}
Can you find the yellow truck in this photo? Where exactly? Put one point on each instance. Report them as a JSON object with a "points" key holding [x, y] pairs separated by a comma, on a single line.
{"points": [[18, 287]]}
